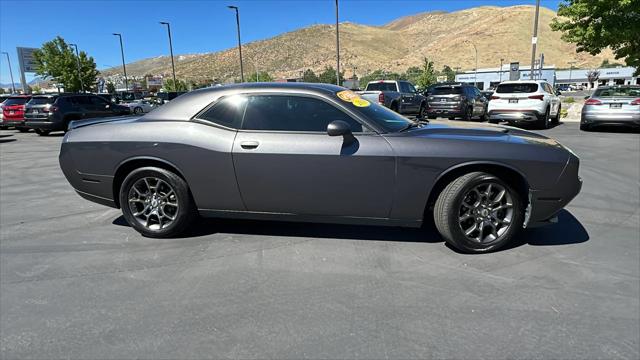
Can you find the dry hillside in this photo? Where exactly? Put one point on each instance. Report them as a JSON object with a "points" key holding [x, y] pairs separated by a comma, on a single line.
{"points": [[498, 32]]}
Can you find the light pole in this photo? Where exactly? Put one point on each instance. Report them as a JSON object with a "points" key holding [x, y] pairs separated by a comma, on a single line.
{"points": [[124, 67], [534, 39], [13, 86], [173, 65], [475, 75], [501, 60], [78, 62], [337, 48], [239, 42], [570, 70]]}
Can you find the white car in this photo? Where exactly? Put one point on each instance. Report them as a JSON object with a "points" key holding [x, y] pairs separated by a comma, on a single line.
{"points": [[522, 101], [139, 106]]}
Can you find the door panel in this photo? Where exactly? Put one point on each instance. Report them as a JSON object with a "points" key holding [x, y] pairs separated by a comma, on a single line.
{"points": [[313, 174]]}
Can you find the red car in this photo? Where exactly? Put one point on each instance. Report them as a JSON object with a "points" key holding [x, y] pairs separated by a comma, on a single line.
{"points": [[13, 112]]}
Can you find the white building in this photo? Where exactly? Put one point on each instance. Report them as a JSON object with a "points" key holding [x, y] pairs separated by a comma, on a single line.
{"points": [[608, 76], [490, 77]]}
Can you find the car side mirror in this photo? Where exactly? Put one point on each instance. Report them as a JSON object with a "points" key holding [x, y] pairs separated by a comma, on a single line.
{"points": [[341, 128]]}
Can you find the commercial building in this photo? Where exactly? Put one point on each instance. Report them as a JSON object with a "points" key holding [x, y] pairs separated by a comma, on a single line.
{"points": [[489, 78]]}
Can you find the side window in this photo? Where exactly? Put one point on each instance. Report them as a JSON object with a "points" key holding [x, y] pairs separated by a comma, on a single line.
{"points": [[226, 112], [411, 87], [293, 113], [80, 100], [403, 87], [98, 101]]}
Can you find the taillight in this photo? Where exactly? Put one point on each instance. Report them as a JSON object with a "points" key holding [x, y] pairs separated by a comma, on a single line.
{"points": [[539, 97], [493, 97], [593, 102], [636, 102], [381, 98]]}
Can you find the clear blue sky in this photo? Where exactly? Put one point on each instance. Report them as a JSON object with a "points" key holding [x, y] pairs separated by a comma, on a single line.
{"points": [[196, 26]]}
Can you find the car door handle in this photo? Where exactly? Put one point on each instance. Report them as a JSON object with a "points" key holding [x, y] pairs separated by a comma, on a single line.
{"points": [[249, 144]]}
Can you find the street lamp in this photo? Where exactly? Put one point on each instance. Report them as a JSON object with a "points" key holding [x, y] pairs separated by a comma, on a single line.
{"points": [[239, 42], [337, 48], [501, 60], [78, 62], [13, 86], [475, 75], [173, 65], [124, 67], [570, 70]]}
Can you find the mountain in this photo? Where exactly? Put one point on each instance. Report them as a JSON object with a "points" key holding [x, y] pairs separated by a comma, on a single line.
{"points": [[497, 32]]}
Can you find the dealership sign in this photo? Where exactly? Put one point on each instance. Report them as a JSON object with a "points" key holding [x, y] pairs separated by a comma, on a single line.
{"points": [[27, 64]]}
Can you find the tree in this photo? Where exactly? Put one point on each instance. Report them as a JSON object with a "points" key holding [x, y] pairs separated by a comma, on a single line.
{"points": [[328, 76], [169, 86], [594, 25], [449, 73], [57, 61], [1, 90], [111, 88], [310, 77], [412, 74], [428, 75], [36, 89], [263, 76]]}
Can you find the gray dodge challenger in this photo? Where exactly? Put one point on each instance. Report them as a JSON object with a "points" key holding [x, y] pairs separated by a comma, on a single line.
{"points": [[317, 153]]}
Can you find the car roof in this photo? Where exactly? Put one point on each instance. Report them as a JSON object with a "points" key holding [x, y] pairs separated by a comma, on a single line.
{"points": [[617, 86], [189, 104], [523, 82]]}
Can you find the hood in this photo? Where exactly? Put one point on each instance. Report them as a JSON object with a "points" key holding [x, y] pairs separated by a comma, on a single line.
{"points": [[93, 121], [480, 132]]}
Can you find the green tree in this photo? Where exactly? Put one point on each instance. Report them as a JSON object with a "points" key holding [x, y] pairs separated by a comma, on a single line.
{"points": [[328, 76], [310, 77], [36, 89], [57, 61], [412, 74], [111, 88], [449, 73], [428, 75], [169, 86], [594, 25], [1, 90], [263, 76]]}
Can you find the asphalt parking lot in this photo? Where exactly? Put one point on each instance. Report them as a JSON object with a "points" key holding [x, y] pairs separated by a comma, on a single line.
{"points": [[77, 282]]}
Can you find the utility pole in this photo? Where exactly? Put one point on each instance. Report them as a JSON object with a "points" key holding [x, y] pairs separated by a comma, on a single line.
{"points": [[570, 70], [173, 65], [475, 75], [13, 86], [124, 67], [534, 39], [239, 42], [78, 62], [501, 60], [337, 48]]}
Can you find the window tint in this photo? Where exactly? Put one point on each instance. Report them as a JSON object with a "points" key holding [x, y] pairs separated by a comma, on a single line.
{"points": [[292, 113], [411, 87], [80, 100], [448, 90], [404, 87], [95, 100], [41, 100], [382, 86], [517, 88], [226, 112], [15, 101], [618, 91]]}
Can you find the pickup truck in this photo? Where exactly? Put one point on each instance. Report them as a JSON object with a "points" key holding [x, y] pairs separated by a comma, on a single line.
{"points": [[399, 96]]}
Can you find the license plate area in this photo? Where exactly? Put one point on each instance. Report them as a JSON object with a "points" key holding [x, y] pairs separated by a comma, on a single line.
{"points": [[513, 101], [615, 106]]}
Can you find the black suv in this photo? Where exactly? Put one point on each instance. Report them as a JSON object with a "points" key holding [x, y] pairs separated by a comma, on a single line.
{"points": [[46, 113], [456, 100]]}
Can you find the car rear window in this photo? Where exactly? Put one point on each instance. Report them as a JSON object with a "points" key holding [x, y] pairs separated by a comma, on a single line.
{"points": [[42, 100], [622, 91], [517, 88], [447, 90], [15, 101], [381, 86]]}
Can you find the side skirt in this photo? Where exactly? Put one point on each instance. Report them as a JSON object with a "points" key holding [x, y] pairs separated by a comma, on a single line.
{"points": [[352, 220]]}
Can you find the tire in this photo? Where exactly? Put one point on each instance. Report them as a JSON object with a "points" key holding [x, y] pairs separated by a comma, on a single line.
{"points": [[556, 119], [42, 132], [22, 129], [431, 117], [137, 110], [422, 113], [585, 127], [394, 107], [158, 222], [468, 114], [449, 208], [543, 122], [452, 118]]}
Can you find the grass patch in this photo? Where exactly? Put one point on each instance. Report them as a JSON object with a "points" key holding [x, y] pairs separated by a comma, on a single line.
{"points": [[569, 100]]}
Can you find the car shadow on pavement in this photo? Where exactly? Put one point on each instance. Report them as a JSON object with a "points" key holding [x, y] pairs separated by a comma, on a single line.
{"points": [[568, 230], [615, 129]]}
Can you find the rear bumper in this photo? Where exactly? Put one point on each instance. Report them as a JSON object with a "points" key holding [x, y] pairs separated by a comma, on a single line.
{"points": [[515, 115], [45, 125], [610, 118]]}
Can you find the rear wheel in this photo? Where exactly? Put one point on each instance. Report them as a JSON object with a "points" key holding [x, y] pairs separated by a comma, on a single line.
{"points": [[394, 107], [478, 212], [585, 127], [556, 119], [423, 111], [468, 114], [156, 202], [22, 129], [137, 110], [42, 132], [543, 121]]}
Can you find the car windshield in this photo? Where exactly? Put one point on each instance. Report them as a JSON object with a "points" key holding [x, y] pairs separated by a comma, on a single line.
{"points": [[618, 91], [381, 86], [387, 119], [447, 90], [15, 101], [517, 88], [41, 100]]}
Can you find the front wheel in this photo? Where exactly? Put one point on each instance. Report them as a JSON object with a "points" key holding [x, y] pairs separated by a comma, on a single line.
{"points": [[478, 212], [137, 110], [156, 202]]}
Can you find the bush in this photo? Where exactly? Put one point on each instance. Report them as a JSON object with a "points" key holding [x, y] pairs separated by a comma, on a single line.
{"points": [[564, 113], [569, 100]]}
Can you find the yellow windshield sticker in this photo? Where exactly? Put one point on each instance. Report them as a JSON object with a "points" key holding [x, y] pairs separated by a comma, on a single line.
{"points": [[347, 95], [360, 102]]}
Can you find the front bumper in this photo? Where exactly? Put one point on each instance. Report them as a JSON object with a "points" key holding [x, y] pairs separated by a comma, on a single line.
{"points": [[514, 115]]}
